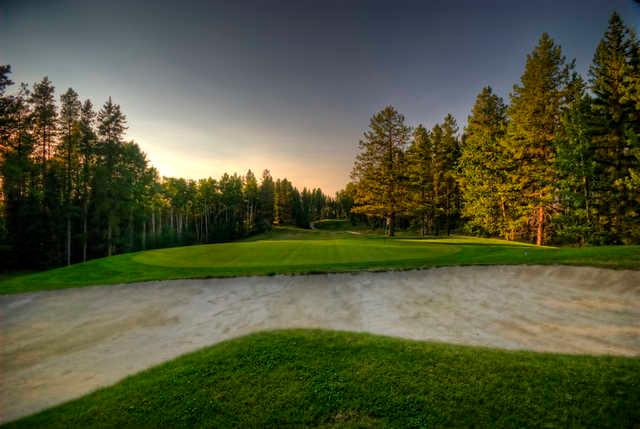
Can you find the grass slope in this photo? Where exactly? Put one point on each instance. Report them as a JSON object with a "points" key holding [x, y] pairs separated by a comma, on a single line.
{"points": [[291, 250], [324, 378]]}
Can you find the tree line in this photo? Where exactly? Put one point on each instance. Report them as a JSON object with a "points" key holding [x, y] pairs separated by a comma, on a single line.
{"points": [[560, 163], [73, 189]]}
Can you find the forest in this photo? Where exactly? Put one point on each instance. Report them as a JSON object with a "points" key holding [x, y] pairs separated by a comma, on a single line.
{"points": [[559, 164], [73, 189]]}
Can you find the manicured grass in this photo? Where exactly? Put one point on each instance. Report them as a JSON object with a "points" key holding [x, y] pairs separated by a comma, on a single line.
{"points": [[291, 250], [335, 225], [338, 379]]}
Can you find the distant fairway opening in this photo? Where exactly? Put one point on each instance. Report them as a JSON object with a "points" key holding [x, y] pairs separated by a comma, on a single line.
{"points": [[283, 253], [288, 250]]}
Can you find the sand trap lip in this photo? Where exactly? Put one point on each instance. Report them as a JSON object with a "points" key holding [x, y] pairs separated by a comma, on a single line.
{"points": [[58, 345]]}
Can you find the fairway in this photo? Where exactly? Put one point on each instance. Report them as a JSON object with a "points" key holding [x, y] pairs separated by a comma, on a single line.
{"points": [[298, 251], [294, 253]]}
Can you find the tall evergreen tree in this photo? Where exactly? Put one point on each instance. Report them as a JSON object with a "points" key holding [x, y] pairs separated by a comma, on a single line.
{"points": [[345, 202], [420, 157], [111, 128], [266, 201], [6, 109], [44, 129], [614, 119], [232, 203], [44, 113], [250, 192], [449, 152], [534, 120], [379, 167], [632, 96], [87, 150], [69, 149], [437, 172], [576, 169], [21, 193], [483, 166]]}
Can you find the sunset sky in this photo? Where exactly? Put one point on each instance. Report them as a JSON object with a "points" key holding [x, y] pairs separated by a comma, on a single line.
{"points": [[210, 87]]}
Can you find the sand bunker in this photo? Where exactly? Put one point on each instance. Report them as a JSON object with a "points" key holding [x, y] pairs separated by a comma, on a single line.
{"points": [[59, 345]]}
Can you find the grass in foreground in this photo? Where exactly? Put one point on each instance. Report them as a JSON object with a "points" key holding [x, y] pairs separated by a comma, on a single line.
{"points": [[291, 250], [326, 378]]}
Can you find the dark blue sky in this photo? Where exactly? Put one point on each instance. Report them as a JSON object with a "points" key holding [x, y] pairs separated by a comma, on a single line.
{"points": [[221, 86]]}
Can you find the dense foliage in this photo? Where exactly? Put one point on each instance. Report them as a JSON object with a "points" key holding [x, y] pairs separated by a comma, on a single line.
{"points": [[73, 189], [560, 163]]}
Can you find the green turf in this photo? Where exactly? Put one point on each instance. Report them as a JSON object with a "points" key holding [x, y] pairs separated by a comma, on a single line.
{"points": [[315, 378], [291, 250]]}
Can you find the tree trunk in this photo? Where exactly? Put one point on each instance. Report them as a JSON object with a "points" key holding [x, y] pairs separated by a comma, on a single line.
{"points": [[540, 232], [423, 227], [68, 238], [586, 203], [109, 237], [144, 235], [206, 223], [391, 225], [153, 222], [436, 203], [84, 232], [131, 229], [68, 184], [447, 207], [503, 211]]}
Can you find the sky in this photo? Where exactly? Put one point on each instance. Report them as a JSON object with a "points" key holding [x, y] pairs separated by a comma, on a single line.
{"points": [[224, 86]]}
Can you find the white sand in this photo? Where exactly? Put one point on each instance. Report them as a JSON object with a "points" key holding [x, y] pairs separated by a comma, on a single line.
{"points": [[59, 345]]}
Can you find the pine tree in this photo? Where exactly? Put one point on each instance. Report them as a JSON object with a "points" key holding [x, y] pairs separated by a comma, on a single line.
{"points": [[22, 208], [419, 173], [111, 128], [44, 114], [614, 119], [309, 208], [297, 210], [231, 200], [379, 167], [283, 207], [449, 151], [69, 116], [575, 163], [483, 165], [250, 192], [632, 181], [266, 201], [43, 128], [87, 158], [534, 120], [437, 173], [6, 109]]}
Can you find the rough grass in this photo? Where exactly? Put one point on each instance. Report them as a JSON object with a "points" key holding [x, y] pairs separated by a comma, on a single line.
{"points": [[338, 379], [291, 251]]}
